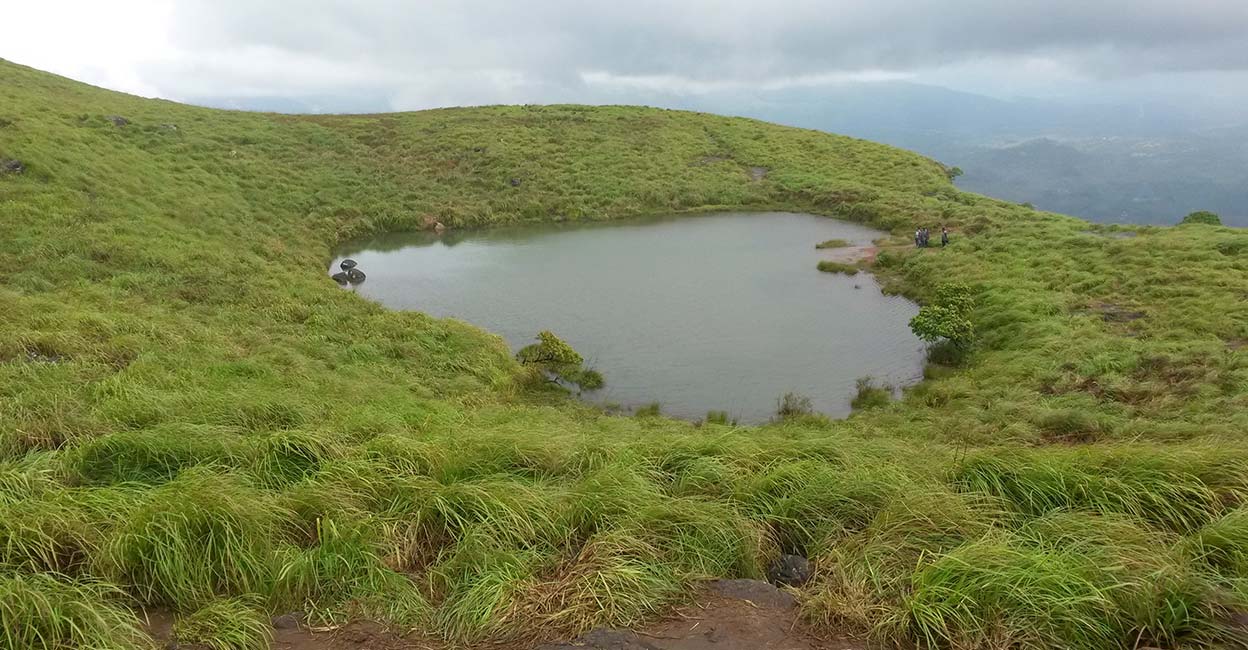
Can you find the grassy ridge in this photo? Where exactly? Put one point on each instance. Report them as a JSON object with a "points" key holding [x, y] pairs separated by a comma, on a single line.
{"points": [[192, 418]]}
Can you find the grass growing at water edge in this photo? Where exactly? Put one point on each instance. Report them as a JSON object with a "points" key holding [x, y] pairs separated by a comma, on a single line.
{"points": [[829, 266]]}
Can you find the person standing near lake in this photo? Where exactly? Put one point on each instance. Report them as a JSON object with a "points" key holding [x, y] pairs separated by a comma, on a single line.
{"points": [[944, 236], [918, 237]]}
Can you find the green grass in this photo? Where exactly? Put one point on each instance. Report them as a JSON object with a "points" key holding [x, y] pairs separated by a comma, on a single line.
{"points": [[829, 266], [193, 417], [232, 624], [832, 243]]}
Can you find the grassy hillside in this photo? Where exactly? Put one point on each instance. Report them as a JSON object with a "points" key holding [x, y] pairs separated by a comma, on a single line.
{"points": [[193, 418]]}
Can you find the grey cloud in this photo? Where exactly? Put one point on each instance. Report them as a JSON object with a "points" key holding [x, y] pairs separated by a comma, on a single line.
{"points": [[443, 52]]}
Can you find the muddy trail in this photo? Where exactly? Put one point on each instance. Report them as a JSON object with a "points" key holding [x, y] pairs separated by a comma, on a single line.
{"points": [[726, 615]]}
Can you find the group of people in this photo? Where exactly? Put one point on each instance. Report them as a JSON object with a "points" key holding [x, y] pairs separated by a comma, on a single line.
{"points": [[922, 236]]}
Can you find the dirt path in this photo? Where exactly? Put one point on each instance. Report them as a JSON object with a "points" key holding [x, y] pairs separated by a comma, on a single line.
{"points": [[730, 615], [727, 615]]}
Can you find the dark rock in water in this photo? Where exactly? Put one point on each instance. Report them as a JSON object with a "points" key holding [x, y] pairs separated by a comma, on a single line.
{"points": [[515, 182], [756, 591], [355, 276], [347, 264], [117, 120], [287, 621], [340, 277], [790, 570], [11, 167]]}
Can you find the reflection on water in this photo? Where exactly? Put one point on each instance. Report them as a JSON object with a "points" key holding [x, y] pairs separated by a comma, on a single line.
{"points": [[715, 312]]}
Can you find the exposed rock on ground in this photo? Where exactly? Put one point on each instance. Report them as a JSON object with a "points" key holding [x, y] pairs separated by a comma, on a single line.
{"points": [[790, 570]]}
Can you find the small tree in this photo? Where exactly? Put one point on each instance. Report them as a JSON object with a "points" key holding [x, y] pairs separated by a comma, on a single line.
{"points": [[554, 356], [1203, 216], [948, 317]]}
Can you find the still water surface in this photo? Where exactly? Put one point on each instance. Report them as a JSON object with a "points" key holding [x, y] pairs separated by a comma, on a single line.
{"points": [[714, 312]]}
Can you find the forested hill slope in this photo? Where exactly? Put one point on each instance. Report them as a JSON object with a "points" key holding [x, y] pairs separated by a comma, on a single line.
{"points": [[193, 419]]}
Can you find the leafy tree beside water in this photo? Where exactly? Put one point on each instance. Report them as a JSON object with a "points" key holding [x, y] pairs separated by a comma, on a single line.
{"points": [[554, 356], [948, 317]]}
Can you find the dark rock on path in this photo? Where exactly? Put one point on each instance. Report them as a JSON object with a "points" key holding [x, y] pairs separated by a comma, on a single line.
{"points": [[790, 570]]}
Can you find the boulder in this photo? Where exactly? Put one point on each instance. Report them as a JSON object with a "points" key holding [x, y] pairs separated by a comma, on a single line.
{"points": [[347, 264], [117, 120], [515, 182], [355, 276], [790, 570], [169, 127], [340, 277], [438, 227], [11, 166]]}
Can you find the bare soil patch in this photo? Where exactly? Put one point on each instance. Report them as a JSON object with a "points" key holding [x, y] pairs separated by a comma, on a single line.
{"points": [[727, 615], [852, 254]]}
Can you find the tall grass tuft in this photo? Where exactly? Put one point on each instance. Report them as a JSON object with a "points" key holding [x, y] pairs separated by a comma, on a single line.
{"points": [[225, 624], [194, 538], [46, 611]]}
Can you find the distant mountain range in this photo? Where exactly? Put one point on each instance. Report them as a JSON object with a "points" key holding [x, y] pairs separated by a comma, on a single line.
{"points": [[1127, 163]]}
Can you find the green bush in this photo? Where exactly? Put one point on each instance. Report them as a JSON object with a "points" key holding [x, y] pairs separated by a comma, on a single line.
{"points": [[828, 266], [948, 317], [1202, 217], [553, 355]]}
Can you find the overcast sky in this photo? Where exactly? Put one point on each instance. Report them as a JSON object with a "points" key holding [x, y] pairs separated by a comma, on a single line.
{"points": [[381, 55]]}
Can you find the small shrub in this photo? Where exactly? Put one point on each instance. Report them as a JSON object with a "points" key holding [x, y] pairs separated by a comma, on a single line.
{"points": [[828, 266], [719, 417], [832, 243], [553, 356], [870, 395], [792, 405]]}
